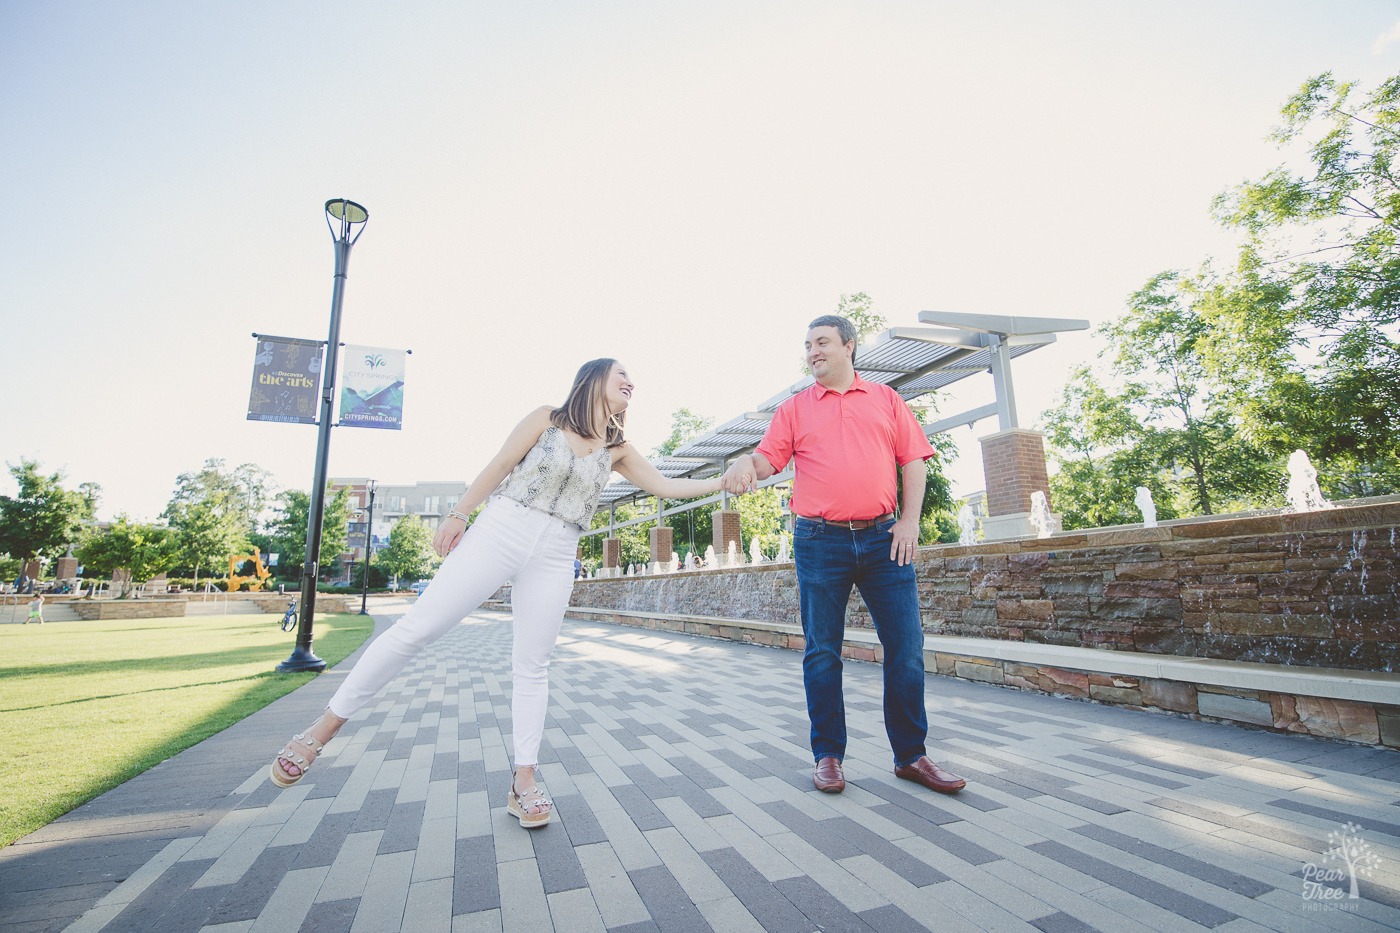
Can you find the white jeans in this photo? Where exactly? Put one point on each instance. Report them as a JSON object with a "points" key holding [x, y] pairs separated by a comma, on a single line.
{"points": [[507, 542]]}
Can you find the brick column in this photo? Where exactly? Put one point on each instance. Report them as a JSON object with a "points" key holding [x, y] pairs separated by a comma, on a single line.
{"points": [[661, 545], [726, 529], [66, 569], [1013, 466], [612, 555]]}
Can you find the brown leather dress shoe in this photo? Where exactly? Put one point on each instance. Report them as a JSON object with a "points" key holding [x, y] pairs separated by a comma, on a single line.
{"points": [[829, 778], [931, 776]]}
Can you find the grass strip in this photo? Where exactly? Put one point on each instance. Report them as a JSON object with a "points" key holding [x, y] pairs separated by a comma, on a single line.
{"points": [[85, 706]]}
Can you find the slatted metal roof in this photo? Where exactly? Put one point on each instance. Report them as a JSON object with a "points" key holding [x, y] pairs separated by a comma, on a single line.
{"points": [[914, 361]]}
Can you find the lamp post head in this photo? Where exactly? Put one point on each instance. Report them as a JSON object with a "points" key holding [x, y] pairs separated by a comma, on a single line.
{"points": [[349, 215]]}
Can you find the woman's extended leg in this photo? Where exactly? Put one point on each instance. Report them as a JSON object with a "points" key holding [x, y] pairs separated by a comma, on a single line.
{"points": [[496, 544], [538, 600]]}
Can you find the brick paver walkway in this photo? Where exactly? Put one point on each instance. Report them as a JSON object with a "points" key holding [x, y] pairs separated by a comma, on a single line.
{"points": [[681, 777]]}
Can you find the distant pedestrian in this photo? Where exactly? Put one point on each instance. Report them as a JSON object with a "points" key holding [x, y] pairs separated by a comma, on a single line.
{"points": [[36, 609]]}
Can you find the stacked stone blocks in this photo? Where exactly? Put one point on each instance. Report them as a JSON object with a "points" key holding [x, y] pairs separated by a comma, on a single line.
{"points": [[1315, 591]]}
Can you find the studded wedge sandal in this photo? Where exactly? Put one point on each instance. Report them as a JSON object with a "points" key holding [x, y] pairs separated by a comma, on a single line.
{"points": [[284, 778], [520, 805]]}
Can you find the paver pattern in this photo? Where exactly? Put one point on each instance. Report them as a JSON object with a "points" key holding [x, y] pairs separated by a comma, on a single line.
{"points": [[682, 781]]}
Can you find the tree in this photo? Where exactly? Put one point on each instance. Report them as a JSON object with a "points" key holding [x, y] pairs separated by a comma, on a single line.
{"points": [[938, 519], [1222, 375], [693, 529], [207, 533], [409, 554], [1168, 428], [44, 518], [242, 491], [1093, 435], [1189, 426], [1306, 325], [762, 517], [287, 531], [144, 550], [686, 425], [208, 512], [92, 494], [254, 489], [859, 309]]}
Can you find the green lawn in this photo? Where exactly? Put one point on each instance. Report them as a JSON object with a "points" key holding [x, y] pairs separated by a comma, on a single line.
{"points": [[85, 706]]}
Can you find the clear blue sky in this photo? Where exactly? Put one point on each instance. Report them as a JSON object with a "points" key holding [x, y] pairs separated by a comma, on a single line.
{"points": [[681, 185]]}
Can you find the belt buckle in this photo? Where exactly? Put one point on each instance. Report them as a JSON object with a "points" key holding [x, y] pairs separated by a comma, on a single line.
{"points": [[851, 523]]}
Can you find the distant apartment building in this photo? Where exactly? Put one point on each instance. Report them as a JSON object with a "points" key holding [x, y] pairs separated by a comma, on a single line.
{"points": [[429, 501]]}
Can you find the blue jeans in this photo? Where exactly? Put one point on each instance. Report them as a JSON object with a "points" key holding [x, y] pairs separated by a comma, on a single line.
{"points": [[831, 558]]}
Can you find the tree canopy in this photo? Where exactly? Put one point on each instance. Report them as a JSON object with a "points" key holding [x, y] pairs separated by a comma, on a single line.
{"points": [[287, 531], [145, 550], [409, 554], [685, 426], [210, 513], [1307, 328], [1168, 426], [43, 519], [1215, 377]]}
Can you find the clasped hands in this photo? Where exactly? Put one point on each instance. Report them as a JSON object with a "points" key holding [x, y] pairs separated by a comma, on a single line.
{"points": [[740, 477]]}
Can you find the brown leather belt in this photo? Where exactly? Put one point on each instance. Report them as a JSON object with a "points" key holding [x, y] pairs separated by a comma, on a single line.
{"points": [[855, 524]]}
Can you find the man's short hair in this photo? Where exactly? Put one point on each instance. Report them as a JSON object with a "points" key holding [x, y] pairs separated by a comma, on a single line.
{"points": [[844, 328]]}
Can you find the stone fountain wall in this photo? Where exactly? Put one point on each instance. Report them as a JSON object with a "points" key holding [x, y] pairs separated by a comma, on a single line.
{"points": [[1316, 589]]}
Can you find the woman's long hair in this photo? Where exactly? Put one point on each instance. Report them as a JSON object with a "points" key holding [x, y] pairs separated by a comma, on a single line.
{"points": [[580, 411]]}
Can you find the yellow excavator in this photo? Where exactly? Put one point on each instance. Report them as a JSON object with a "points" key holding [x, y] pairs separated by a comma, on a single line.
{"points": [[249, 569]]}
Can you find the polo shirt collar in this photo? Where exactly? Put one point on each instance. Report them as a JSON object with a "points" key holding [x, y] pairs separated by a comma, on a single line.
{"points": [[858, 385]]}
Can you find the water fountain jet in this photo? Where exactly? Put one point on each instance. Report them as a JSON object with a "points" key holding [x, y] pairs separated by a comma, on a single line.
{"points": [[967, 525], [1303, 492], [1041, 518], [1143, 500]]}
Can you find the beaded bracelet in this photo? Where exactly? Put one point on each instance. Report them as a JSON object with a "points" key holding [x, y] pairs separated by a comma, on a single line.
{"points": [[453, 513]]}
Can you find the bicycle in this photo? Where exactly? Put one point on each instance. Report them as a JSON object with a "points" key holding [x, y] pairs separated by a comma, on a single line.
{"points": [[289, 618]]}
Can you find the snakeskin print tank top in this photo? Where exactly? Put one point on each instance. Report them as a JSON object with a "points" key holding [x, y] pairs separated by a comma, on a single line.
{"points": [[554, 479]]}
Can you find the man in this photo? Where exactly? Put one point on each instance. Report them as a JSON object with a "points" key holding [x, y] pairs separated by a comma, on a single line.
{"points": [[847, 438]]}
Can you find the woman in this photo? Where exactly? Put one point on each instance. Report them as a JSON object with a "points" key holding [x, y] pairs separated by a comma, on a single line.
{"points": [[546, 482]]}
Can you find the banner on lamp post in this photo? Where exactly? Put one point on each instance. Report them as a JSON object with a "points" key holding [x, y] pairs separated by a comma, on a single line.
{"points": [[355, 534], [286, 380], [371, 388]]}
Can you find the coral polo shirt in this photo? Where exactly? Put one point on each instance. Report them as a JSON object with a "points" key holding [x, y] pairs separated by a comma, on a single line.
{"points": [[846, 448]]}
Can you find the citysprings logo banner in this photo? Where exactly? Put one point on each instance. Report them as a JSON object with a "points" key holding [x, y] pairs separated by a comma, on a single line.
{"points": [[371, 388], [1334, 883]]}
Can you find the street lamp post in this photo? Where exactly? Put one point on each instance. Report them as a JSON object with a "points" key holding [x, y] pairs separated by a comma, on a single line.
{"points": [[369, 552], [349, 223]]}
